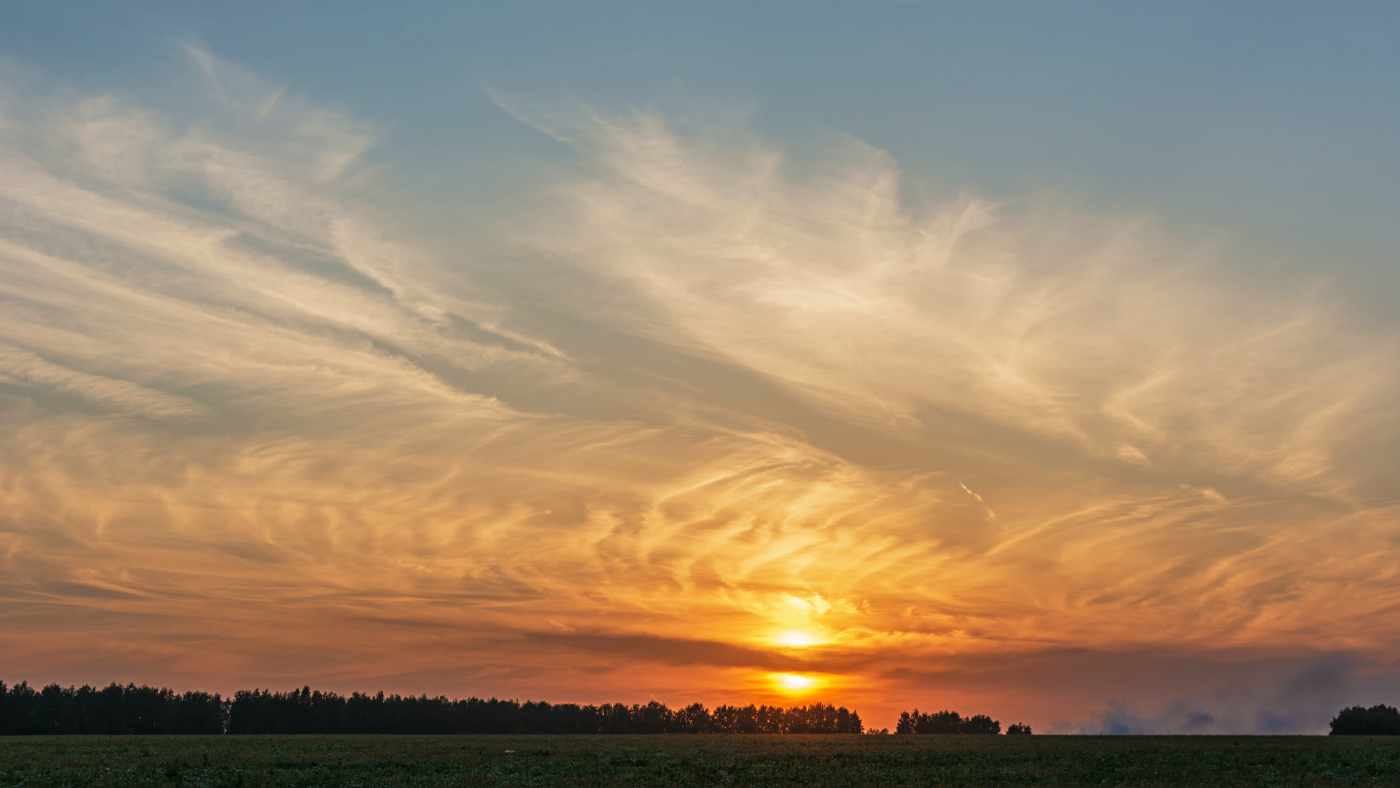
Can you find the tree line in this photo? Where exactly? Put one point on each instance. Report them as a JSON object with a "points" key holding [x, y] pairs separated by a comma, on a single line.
{"points": [[115, 709], [131, 709], [308, 711], [951, 722]]}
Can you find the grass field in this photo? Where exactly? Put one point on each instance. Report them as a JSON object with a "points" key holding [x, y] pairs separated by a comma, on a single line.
{"points": [[697, 760]]}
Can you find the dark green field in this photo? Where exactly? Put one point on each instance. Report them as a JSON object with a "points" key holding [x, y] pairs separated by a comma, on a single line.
{"points": [[697, 760]]}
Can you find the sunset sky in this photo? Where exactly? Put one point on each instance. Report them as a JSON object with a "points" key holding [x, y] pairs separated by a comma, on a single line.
{"points": [[1031, 359]]}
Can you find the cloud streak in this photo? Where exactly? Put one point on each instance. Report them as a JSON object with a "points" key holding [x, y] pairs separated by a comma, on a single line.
{"points": [[1090, 330], [713, 396]]}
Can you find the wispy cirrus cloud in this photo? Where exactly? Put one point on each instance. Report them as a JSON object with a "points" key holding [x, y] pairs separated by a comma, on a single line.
{"points": [[712, 398], [26, 369], [1098, 331]]}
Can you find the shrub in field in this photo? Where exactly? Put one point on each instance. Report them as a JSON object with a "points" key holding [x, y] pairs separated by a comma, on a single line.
{"points": [[1379, 720], [1018, 729]]}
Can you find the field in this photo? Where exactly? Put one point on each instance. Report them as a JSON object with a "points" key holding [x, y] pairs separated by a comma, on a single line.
{"points": [[696, 760]]}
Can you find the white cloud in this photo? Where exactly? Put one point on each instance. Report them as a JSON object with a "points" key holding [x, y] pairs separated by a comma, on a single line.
{"points": [[1091, 330]]}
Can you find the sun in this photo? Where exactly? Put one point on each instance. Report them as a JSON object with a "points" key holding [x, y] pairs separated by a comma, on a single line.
{"points": [[795, 683]]}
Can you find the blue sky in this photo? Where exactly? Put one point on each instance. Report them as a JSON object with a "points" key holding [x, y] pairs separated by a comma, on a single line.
{"points": [[1271, 125]]}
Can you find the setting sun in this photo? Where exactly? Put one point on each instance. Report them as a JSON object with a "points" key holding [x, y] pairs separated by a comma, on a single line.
{"points": [[793, 682]]}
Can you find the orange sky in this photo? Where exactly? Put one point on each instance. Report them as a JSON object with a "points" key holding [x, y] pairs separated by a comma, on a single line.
{"points": [[702, 421]]}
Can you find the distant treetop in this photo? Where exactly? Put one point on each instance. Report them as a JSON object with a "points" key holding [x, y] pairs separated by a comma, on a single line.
{"points": [[946, 722], [1379, 720]]}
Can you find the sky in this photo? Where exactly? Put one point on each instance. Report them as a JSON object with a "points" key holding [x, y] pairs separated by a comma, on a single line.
{"points": [[1029, 359]]}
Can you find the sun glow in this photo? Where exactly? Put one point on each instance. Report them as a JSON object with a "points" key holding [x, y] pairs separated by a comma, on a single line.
{"points": [[794, 682], [797, 639]]}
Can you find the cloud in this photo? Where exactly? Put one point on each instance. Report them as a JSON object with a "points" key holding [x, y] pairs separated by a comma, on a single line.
{"points": [[1301, 702], [1090, 330], [26, 369], [670, 651], [256, 429], [1178, 718]]}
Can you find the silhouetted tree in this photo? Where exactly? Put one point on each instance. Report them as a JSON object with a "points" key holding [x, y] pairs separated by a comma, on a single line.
{"points": [[115, 709], [694, 719], [1018, 729], [1378, 720], [945, 722], [981, 723], [942, 722]]}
